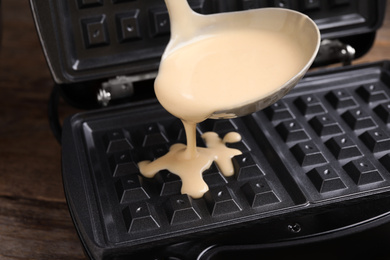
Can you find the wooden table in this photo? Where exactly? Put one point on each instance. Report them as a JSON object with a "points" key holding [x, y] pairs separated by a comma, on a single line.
{"points": [[34, 218]]}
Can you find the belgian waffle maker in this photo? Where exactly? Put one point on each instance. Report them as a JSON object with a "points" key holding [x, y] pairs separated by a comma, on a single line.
{"points": [[322, 172]]}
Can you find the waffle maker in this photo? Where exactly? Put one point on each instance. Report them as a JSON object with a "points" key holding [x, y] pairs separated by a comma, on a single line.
{"points": [[315, 165]]}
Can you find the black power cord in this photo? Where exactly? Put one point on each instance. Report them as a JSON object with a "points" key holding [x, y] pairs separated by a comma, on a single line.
{"points": [[78, 95]]}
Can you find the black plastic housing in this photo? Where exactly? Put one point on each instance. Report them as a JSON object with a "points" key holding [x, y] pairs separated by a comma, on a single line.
{"points": [[315, 165]]}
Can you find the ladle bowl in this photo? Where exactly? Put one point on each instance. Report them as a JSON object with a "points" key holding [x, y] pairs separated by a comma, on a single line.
{"points": [[188, 26]]}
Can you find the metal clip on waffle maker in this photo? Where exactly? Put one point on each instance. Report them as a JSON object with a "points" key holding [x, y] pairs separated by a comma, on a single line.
{"points": [[322, 172]]}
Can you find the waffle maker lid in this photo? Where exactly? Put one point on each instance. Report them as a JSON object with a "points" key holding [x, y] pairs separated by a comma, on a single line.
{"points": [[88, 44], [88, 40]]}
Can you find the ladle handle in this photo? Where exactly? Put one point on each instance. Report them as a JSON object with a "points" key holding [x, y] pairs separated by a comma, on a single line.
{"points": [[183, 21]]}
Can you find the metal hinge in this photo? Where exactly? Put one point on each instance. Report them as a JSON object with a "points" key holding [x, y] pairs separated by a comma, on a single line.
{"points": [[333, 51], [120, 87]]}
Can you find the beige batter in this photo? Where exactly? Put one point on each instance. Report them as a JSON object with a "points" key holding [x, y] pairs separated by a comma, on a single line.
{"points": [[226, 70], [190, 169], [214, 73]]}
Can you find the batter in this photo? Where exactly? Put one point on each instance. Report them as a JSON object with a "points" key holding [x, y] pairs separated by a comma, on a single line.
{"points": [[213, 73]]}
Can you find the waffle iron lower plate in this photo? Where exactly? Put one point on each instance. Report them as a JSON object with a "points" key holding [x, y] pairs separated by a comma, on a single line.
{"points": [[315, 165]]}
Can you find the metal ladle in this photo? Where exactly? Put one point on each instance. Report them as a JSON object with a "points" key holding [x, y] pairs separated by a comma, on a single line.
{"points": [[183, 32]]}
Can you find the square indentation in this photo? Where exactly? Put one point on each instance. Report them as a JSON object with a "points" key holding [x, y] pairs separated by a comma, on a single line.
{"points": [[153, 134], [160, 21], [259, 193], [245, 167], [362, 172], [371, 93], [325, 179], [138, 217], [150, 153], [180, 210], [278, 111], [307, 153], [130, 189], [213, 177], [116, 141], [309, 105], [377, 140], [128, 26], [122, 163], [340, 99], [358, 119], [325, 125], [291, 131], [241, 145], [343, 147], [169, 183], [220, 201], [383, 111], [95, 31]]}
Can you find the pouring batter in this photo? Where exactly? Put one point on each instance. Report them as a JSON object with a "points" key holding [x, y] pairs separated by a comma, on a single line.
{"points": [[212, 64]]}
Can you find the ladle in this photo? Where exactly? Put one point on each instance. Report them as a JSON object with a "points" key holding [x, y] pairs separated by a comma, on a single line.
{"points": [[188, 26]]}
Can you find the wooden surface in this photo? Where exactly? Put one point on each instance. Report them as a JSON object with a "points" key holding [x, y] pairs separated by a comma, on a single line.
{"points": [[34, 219]]}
